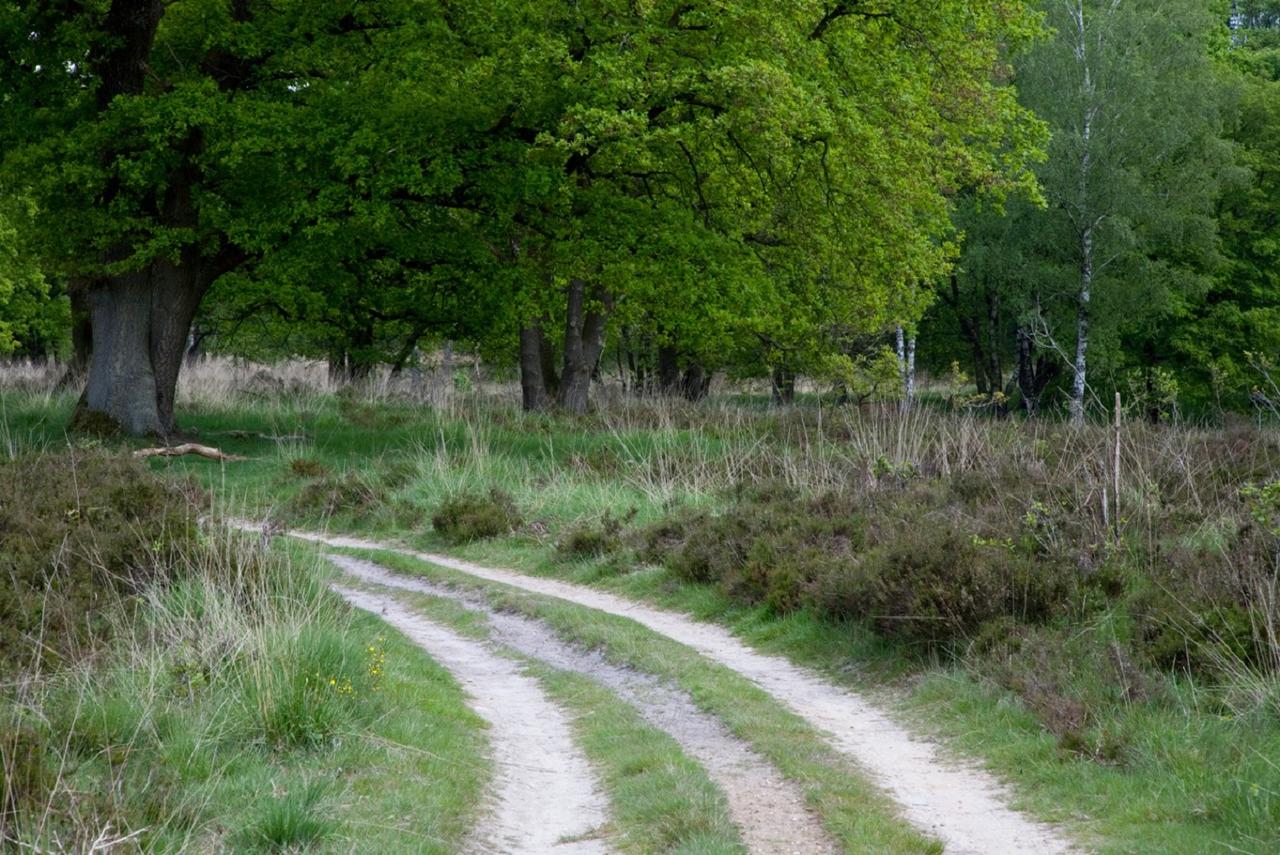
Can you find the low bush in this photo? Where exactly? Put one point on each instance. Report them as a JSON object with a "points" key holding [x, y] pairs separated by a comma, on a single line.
{"points": [[764, 526], [940, 586], [467, 517], [327, 495], [79, 530], [594, 539]]}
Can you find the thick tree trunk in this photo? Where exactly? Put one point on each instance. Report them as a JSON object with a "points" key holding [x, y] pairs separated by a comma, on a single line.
{"points": [[784, 387], [121, 391], [176, 296], [139, 323], [696, 382], [1082, 327], [585, 320], [668, 369], [533, 381]]}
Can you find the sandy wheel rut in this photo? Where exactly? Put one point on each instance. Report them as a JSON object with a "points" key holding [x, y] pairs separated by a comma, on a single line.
{"points": [[961, 805], [545, 796], [769, 810]]}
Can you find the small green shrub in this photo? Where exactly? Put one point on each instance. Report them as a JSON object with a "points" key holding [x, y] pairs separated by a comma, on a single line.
{"points": [[306, 467], [594, 539], [1182, 630], [349, 492], [292, 821], [467, 517]]}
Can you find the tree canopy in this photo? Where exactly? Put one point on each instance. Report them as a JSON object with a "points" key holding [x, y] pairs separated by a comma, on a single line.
{"points": [[747, 186]]}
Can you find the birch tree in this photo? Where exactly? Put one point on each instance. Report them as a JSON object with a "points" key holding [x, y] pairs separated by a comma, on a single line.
{"points": [[1137, 159], [1137, 108]]}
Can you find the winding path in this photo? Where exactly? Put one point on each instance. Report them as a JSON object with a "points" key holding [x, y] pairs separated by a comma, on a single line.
{"points": [[768, 810], [545, 796], [960, 804]]}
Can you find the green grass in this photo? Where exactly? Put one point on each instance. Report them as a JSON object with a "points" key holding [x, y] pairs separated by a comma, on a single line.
{"points": [[1192, 772], [243, 706], [661, 800]]}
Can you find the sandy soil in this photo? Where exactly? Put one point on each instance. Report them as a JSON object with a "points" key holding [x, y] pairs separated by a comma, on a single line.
{"points": [[768, 810], [960, 804], [545, 798]]}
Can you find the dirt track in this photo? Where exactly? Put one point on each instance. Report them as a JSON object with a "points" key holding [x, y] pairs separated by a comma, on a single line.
{"points": [[768, 810], [963, 806], [545, 798]]}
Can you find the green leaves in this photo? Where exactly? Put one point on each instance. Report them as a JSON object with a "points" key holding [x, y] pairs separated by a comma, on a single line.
{"points": [[386, 169]]}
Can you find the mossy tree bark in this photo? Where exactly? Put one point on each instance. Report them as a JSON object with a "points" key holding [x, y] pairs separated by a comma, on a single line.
{"points": [[537, 371], [140, 322], [585, 320]]}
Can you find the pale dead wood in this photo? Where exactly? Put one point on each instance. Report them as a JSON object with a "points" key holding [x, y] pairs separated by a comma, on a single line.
{"points": [[188, 448]]}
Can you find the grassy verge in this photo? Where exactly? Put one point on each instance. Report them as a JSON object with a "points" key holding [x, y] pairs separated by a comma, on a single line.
{"points": [[1142, 695], [199, 692]]}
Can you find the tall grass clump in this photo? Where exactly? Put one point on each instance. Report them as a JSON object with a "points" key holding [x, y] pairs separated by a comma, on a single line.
{"points": [[150, 662], [236, 655]]}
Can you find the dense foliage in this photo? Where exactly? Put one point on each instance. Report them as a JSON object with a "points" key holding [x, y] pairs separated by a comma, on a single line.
{"points": [[1151, 271], [1083, 193]]}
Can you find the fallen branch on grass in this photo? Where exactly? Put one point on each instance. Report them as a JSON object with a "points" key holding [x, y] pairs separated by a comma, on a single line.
{"points": [[188, 448]]}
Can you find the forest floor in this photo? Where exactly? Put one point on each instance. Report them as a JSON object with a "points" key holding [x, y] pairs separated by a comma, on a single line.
{"points": [[676, 709]]}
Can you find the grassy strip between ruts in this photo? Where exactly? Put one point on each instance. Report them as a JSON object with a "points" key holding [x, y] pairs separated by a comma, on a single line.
{"points": [[660, 800], [855, 812]]}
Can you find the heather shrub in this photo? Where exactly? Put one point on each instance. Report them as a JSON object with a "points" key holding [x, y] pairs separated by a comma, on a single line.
{"points": [[79, 530], [327, 495], [769, 531], [938, 585], [467, 517], [594, 539]]}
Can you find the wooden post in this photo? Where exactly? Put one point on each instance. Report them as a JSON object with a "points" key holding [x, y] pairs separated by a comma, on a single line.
{"points": [[1115, 475]]}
